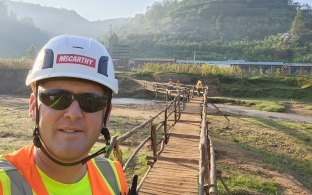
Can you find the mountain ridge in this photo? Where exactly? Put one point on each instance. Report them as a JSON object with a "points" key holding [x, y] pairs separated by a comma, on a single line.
{"points": [[30, 25]]}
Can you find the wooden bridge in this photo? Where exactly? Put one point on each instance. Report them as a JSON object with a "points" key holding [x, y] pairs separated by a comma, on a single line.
{"points": [[182, 160], [176, 170]]}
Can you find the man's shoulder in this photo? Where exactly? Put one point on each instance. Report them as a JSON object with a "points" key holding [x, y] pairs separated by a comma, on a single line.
{"points": [[6, 165], [25, 150], [19, 158]]}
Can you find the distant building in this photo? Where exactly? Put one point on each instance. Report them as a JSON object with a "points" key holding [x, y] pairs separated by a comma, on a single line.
{"points": [[260, 67], [142, 61], [247, 67], [275, 68]]}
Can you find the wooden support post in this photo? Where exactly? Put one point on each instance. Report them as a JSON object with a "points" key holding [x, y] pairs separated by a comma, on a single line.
{"points": [[154, 141], [175, 111], [156, 94], [179, 105], [165, 128]]}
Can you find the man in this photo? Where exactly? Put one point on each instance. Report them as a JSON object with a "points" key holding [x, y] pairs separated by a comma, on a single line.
{"points": [[72, 81], [199, 87], [170, 84]]}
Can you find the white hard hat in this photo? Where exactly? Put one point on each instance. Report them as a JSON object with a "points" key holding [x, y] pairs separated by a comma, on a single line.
{"points": [[75, 57]]}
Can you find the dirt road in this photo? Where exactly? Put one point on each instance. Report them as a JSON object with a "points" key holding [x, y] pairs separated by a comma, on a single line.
{"points": [[248, 112]]}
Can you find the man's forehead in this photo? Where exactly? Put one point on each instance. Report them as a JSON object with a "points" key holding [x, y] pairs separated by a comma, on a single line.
{"points": [[70, 79], [64, 79]]}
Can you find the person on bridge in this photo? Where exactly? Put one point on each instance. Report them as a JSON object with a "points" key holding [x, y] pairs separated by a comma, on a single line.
{"points": [[199, 87], [178, 85], [72, 82], [170, 84]]}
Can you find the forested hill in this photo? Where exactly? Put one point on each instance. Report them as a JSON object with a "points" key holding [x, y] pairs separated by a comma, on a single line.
{"points": [[217, 29], [216, 19], [256, 30], [18, 35], [56, 21], [24, 25]]}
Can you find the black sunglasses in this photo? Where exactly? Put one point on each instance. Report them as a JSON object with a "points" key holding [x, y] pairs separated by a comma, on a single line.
{"points": [[60, 99]]}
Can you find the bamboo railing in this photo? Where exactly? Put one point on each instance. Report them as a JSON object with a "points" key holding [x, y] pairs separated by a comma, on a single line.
{"points": [[162, 91], [207, 164], [172, 110]]}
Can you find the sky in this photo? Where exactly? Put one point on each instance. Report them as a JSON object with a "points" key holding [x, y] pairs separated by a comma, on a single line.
{"points": [[107, 9]]}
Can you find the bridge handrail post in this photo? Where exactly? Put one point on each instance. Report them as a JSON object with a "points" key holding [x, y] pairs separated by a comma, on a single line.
{"points": [[183, 98], [155, 87], [175, 111], [207, 164], [165, 128], [213, 171], [203, 158], [154, 141], [179, 106]]}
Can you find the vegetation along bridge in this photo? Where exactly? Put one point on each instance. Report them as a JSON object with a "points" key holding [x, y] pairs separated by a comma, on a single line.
{"points": [[182, 156]]}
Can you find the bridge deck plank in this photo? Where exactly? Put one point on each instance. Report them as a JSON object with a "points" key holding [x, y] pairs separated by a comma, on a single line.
{"points": [[176, 171]]}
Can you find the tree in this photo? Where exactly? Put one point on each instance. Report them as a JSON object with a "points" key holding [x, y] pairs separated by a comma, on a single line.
{"points": [[113, 40], [297, 26], [31, 52]]}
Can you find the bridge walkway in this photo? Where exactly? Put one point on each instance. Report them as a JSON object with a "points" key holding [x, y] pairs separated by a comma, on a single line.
{"points": [[176, 171]]}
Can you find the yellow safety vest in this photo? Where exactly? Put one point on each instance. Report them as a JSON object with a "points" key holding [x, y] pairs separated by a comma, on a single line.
{"points": [[19, 175]]}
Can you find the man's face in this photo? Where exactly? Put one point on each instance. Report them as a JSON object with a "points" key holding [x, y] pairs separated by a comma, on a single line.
{"points": [[69, 134]]}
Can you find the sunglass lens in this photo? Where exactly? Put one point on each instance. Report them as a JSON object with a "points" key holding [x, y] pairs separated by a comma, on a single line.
{"points": [[91, 102], [56, 99]]}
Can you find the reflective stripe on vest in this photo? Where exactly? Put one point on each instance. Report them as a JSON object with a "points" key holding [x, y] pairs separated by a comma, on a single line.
{"points": [[121, 176], [106, 177], [108, 169], [18, 184]]}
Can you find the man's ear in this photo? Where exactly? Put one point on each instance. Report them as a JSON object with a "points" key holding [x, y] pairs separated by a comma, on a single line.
{"points": [[32, 107]]}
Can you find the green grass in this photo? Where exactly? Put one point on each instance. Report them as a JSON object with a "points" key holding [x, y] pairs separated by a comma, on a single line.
{"points": [[248, 183], [203, 70], [268, 106], [282, 146], [138, 167], [264, 105], [277, 88]]}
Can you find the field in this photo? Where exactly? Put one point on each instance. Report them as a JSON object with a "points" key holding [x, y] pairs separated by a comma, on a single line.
{"points": [[263, 156], [255, 155]]}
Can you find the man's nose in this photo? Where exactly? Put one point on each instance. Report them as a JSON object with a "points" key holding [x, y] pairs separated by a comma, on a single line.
{"points": [[74, 111]]}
